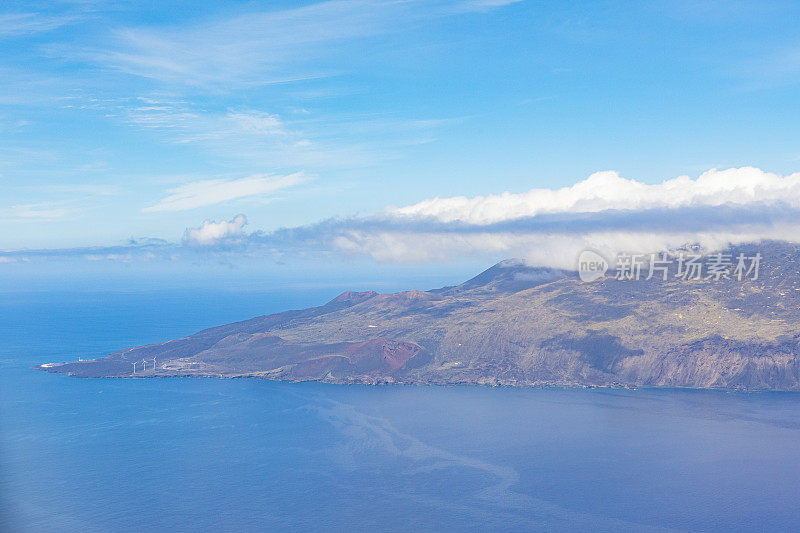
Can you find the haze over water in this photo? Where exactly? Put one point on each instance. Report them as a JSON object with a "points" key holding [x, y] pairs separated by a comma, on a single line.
{"points": [[241, 455]]}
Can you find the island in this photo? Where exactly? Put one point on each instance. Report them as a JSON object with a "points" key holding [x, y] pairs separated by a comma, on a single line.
{"points": [[512, 325]]}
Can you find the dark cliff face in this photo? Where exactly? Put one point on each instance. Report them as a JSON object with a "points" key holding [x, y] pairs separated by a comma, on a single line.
{"points": [[513, 325]]}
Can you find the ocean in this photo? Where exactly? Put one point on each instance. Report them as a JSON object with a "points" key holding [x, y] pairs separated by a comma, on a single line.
{"points": [[251, 455]]}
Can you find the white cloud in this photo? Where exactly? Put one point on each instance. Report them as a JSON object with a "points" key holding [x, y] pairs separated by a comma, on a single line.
{"points": [[210, 192], [551, 249], [211, 233], [606, 212], [542, 227], [42, 211], [607, 190]]}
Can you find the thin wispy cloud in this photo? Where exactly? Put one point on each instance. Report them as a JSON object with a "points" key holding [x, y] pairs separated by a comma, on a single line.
{"points": [[82, 189], [263, 47], [263, 138], [211, 192], [775, 68], [18, 24], [252, 49], [183, 84], [484, 5], [41, 211], [183, 124]]}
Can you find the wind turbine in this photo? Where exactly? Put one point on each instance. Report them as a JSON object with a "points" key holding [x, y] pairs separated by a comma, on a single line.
{"points": [[134, 367], [154, 363]]}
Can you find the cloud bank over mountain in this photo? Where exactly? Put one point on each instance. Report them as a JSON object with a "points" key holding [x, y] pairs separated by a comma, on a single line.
{"points": [[604, 191], [542, 226]]}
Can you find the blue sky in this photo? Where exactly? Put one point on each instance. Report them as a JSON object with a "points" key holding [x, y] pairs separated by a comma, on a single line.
{"points": [[143, 119]]}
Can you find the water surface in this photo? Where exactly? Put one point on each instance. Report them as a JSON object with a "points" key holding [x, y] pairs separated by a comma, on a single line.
{"points": [[242, 455]]}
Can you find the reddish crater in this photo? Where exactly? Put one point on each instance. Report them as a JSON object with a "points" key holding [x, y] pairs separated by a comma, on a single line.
{"points": [[381, 354]]}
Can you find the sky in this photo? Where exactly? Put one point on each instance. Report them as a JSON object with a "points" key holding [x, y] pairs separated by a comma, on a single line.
{"points": [[399, 132]]}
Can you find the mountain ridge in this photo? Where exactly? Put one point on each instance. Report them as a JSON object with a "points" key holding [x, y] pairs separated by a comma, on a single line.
{"points": [[512, 325]]}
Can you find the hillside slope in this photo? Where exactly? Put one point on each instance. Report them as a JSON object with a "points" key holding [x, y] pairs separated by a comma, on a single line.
{"points": [[512, 325]]}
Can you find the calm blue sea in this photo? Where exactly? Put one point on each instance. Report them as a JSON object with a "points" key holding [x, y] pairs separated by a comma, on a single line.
{"points": [[245, 455]]}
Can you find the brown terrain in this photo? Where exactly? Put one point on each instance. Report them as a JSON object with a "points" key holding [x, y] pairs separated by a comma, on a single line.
{"points": [[512, 325]]}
